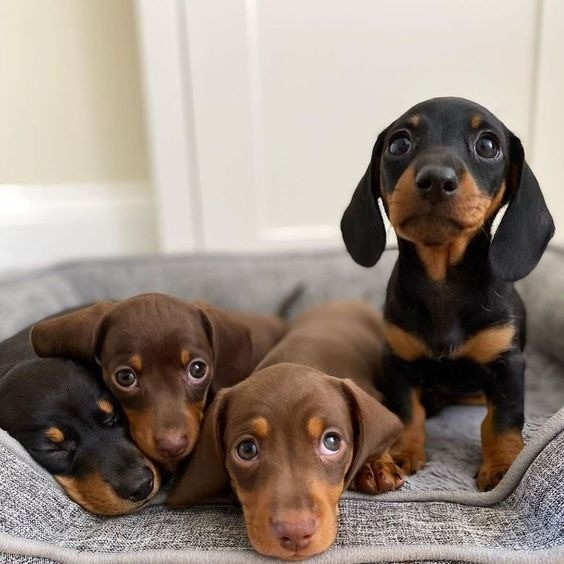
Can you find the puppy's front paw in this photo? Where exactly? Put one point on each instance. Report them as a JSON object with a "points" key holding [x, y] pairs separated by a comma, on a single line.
{"points": [[410, 460], [378, 476], [490, 476]]}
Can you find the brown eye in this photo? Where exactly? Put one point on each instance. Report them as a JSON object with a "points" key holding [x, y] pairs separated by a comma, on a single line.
{"points": [[197, 369], [247, 450], [399, 145], [487, 146], [125, 378]]}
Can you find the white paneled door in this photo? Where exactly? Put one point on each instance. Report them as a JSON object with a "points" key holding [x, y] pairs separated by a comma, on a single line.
{"points": [[284, 99]]}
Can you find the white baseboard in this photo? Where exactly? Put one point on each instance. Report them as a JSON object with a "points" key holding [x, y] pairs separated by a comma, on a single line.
{"points": [[44, 224]]}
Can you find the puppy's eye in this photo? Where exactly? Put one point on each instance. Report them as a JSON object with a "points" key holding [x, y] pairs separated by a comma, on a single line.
{"points": [[399, 145], [125, 377], [487, 146], [111, 420], [66, 448], [197, 369], [331, 443], [247, 450]]}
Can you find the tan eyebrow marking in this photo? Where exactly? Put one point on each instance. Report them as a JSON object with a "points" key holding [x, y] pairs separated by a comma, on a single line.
{"points": [[476, 121], [136, 363], [315, 427], [414, 120], [55, 435], [105, 406], [184, 357], [260, 427]]}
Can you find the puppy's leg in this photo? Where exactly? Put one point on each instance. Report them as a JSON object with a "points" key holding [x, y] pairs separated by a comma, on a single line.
{"points": [[501, 429], [403, 399], [409, 450], [378, 475]]}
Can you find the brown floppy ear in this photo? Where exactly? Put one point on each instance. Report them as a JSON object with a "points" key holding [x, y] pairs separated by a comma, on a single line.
{"points": [[362, 225], [73, 335], [526, 227], [375, 426], [232, 347], [204, 475]]}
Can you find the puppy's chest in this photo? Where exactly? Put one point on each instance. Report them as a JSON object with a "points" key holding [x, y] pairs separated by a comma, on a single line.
{"points": [[447, 337]]}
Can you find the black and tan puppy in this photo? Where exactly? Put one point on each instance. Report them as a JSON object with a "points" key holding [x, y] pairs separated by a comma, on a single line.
{"points": [[300, 430], [63, 415], [454, 323]]}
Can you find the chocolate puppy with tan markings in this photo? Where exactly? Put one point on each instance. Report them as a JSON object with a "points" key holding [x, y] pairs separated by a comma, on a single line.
{"points": [[302, 428], [161, 357], [455, 324]]}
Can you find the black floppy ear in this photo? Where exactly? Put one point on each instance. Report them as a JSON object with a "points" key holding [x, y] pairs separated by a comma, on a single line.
{"points": [[72, 335], [232, 346], [526, 227], [362, 224], [376, 427], [204, 475]]}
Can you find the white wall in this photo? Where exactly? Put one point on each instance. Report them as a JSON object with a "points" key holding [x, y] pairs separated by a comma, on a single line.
{"points": [[547, 159], [260, 113], [283, 101], [74, 179], [70, 101]]}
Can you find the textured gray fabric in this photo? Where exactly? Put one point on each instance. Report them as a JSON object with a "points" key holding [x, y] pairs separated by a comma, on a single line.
{"points": [[438, 515], [526, 512], [254, 282], [543, 292]]}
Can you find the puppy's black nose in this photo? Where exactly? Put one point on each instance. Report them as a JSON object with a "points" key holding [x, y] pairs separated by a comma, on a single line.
{"points": [[137, 486], [436, 182]]}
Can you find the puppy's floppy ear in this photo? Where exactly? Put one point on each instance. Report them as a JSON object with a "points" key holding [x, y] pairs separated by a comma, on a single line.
{"points": [[362, 224], [232, 346], [73, 335], [204, 475], [526, 227], [375, 426]]}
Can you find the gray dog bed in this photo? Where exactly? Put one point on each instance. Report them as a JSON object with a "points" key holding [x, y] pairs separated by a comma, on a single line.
{"points": [[437, 516]]}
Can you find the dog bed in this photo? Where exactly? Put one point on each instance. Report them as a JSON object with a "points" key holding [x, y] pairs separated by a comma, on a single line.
{"points": [[438, 516]]}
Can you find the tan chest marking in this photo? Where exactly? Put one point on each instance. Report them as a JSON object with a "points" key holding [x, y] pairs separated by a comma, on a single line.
{"points": [[482, 348], [438, 258], [404, 344], [486, 345]]}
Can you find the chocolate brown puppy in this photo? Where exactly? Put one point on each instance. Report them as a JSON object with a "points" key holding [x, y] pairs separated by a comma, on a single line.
{"points": [[300, 430], [161, 357], [455, 325]]}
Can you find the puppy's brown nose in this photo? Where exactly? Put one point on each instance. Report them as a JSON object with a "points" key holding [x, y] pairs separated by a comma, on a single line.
{"points": [[296, 534], [172, 444], [436, 182]]}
